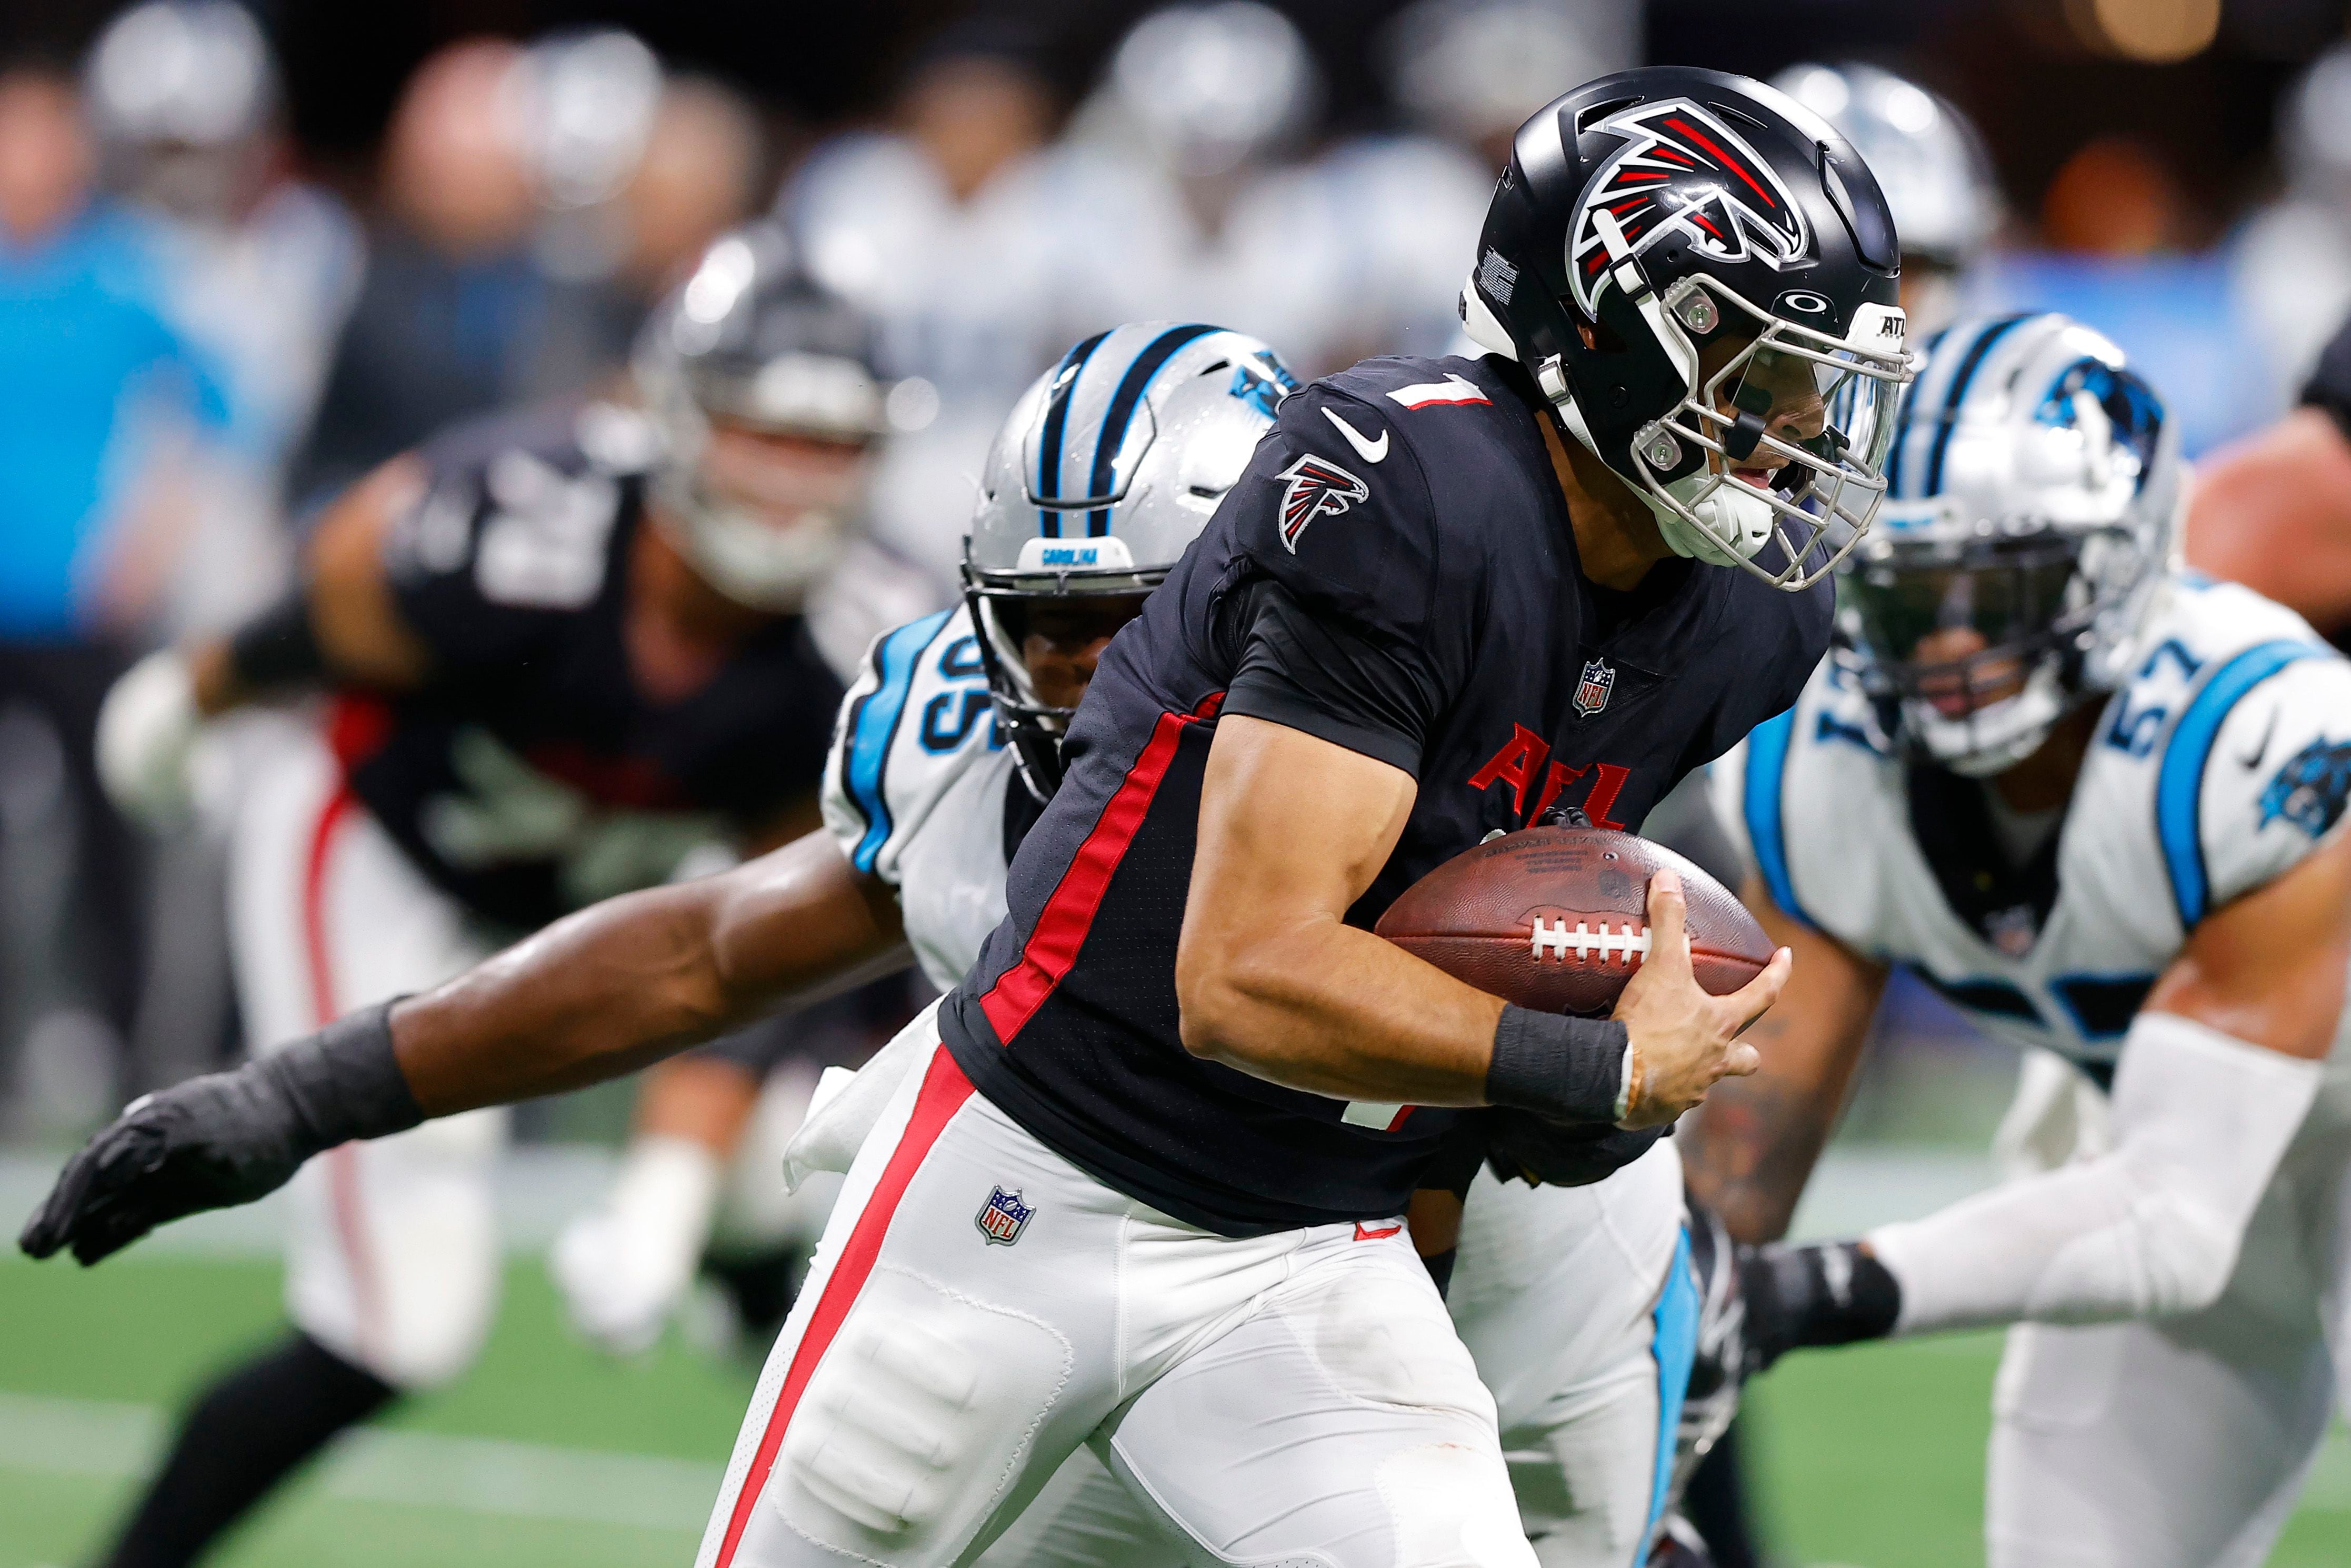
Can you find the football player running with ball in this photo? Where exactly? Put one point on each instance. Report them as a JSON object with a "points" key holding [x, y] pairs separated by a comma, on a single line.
{"points": [[1140, 1186], [2095, 800]]}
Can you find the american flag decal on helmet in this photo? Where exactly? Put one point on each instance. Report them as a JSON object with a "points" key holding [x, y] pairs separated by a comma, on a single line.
{"points": [[1682, 172], [1316, 486]]}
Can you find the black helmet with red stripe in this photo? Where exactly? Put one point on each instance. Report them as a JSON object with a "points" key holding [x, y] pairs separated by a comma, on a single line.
{"points": [[1701, 274]]}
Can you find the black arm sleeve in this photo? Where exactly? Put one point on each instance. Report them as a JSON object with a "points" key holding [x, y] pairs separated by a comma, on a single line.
{"points": [[1318, 673], [278, 647]]}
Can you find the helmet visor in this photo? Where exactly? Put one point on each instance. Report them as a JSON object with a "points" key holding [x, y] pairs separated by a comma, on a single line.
{"points": [[1961, 634], [1793, 425]]}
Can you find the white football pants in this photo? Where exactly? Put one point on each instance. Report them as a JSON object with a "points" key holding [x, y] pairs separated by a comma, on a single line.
{"points": [[392, 1251], [979, 1308], [1578, 1308], [2182, 1442]]}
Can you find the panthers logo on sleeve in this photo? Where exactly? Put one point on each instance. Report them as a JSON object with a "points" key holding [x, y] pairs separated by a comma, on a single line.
{"points": [[2310, 788], [1316, 486]]}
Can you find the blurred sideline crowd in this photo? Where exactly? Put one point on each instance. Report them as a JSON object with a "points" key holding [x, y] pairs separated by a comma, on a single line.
{"points": [[199, 345]]}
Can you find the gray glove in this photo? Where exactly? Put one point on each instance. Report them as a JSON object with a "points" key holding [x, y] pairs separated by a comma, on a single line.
{"points": [[225, 1138]]}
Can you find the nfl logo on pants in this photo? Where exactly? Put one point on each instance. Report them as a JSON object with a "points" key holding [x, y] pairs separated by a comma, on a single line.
{"points": [[1003, 1217]]}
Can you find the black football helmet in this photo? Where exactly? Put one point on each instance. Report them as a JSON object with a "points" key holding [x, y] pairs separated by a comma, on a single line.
{"points": [[752, 343], [1701, 274]]}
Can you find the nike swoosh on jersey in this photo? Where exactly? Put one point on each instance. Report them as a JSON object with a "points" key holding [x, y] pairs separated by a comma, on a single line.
{"points": [[1369, 451], [1453, 389], [2254, 760]]}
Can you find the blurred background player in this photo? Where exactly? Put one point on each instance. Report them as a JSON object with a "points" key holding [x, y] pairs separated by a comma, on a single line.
{"points": [[1930, 162], [2294, 254], [941, 226], [1195, 130], [261, 267], [2083, 793], [637, 169], [2273, 511], [565, 650], [1386, 205], [107, 404], [947, 746], [438, 330]]}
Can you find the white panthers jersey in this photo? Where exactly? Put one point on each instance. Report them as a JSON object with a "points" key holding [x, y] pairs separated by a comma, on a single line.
{"points": [[2222, 763], [916, 788]]}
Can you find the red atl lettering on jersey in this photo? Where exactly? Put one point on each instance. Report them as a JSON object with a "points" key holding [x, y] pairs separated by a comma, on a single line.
{"points": [[1521, 758]]}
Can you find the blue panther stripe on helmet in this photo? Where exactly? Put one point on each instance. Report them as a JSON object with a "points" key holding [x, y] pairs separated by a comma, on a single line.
{"points": [[1057, 418], [1121, 412]]}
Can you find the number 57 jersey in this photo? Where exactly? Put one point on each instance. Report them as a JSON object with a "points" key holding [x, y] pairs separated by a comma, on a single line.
{"points": [[2223, 761]]}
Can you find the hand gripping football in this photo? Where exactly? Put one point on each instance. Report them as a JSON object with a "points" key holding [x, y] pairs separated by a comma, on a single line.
{"points": [[1556, 919]]}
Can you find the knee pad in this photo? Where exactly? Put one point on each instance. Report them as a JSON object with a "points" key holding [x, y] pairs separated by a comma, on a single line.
{"points": [[923, 1413], [1452, 1508]]}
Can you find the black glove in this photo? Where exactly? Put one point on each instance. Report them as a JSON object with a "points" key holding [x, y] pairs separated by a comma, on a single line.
{"points": [[1829, 1294], [225, 1138], [1523, 1145]]}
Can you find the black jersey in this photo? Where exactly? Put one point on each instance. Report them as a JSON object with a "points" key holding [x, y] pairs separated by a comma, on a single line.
{"points": [[530, 775], [1394, 573]]}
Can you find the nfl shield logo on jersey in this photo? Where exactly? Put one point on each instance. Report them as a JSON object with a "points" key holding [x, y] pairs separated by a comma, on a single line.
{"points": [[1592, 692], [1003, 1217]]}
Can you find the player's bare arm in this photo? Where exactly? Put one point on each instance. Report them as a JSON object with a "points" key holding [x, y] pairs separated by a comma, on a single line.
{"points": [[2236, 977], [603, 992], [1748, 1154], [2219, 1069], [2271, 512], [1271, 980], [344, 599]]}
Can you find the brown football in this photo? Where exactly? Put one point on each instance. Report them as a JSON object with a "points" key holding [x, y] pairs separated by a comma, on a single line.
{"points": [[1557, 919]]}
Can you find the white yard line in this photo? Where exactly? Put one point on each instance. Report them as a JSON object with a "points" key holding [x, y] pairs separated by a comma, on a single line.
{"points": [[100, 1438]]}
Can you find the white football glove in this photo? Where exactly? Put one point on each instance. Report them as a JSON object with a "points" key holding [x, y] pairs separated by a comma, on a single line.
{"points": [[624, 1265], [147, 730]]}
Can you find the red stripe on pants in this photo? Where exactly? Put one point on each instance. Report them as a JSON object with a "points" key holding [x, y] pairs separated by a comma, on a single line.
{"points": [[1061, 926], [342, 1161], [944, 1091]]}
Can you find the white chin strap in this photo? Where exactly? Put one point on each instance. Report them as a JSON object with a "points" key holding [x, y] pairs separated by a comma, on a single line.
{"points": [[1734, 525], [1994, 739]]}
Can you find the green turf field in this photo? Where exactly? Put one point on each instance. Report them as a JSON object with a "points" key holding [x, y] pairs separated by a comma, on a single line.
{"points": [[552, 1455]]}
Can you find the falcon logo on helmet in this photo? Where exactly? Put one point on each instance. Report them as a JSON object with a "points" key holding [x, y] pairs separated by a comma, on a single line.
{"points": [[1684, 172], [1317, 486], [1712, 312]]}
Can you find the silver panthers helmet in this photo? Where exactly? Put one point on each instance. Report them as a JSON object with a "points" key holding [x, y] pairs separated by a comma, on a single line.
{"points": [[1213, 87], [180, 93], [1111, 463], [1926, 155], [749, 350], [587, 101], [2313, 129], [2035, 491]]}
